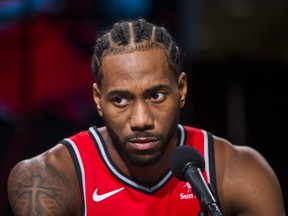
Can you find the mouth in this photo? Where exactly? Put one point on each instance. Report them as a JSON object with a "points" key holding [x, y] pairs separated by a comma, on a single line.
{"points": [[144, 143]]}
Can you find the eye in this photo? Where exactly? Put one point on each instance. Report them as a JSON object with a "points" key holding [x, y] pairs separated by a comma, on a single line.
{"points": [[120, 101], [157, 97]]}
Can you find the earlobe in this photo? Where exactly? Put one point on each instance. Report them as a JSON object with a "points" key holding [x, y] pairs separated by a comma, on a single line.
{"points": [[96, 97], [182, 84]]}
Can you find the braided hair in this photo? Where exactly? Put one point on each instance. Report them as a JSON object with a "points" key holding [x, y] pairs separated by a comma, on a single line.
{"points": [[130, 36]]}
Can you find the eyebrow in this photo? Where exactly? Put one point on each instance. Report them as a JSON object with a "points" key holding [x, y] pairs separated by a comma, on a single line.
{"points": [[128, 93], [118, 92], [157, 88]]}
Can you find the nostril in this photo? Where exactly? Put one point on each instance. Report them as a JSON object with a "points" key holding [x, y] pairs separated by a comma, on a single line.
{"points": [[142, 128], [141, 123]]}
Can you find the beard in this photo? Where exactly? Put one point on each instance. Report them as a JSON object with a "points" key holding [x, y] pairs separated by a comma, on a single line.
{"points": [[143, 158]]}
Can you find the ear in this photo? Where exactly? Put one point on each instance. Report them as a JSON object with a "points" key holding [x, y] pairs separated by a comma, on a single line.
{"points": [[182, 85], [97, 96]]}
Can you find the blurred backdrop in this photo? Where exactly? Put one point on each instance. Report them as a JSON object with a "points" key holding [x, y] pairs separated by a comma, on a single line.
{"points": [[235, 55]]}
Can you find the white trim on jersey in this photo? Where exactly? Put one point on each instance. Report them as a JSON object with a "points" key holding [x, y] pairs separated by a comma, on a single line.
{"points": [[82, 172], [206, 155]]}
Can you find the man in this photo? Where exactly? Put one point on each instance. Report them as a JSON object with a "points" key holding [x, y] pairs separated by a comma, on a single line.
{"points": [[123, 167]]}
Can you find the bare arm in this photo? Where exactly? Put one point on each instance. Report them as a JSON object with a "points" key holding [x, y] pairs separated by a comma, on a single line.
{"points": [[246, 183], [42, 186]]}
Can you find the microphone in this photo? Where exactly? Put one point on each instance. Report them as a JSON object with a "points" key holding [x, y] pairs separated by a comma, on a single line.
{"points": [[187, 164]]}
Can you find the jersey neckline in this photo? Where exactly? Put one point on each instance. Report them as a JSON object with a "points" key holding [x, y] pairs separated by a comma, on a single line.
{"points": [[118, 174]]}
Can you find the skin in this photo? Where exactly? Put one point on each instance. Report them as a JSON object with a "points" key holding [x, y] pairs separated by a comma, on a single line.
{"points": [[134, 100]]}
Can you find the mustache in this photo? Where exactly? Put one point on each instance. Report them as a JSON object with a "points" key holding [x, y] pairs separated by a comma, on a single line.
{"points": [[142, 135]]}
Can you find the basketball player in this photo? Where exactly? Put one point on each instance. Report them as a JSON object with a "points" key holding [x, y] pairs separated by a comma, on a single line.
{"points": [[123, 168]]}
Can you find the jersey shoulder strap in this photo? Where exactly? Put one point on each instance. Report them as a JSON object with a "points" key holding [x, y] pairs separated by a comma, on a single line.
{"points": [[203, 141]]}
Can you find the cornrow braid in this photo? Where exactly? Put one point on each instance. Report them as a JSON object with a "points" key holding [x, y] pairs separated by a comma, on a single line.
{"points": [[136, 35]]}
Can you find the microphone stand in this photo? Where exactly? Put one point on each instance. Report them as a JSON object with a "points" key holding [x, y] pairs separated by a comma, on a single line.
{"points": [[203, 211], [206, 198], [212, 208]]}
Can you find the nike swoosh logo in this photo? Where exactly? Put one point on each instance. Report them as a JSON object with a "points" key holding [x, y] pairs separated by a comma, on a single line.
{"points": [[98, 198]]}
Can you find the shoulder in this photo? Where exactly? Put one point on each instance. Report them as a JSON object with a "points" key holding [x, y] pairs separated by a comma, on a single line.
{"points": [[47, 182], [240, 159], [246, 183], [52, 161]]}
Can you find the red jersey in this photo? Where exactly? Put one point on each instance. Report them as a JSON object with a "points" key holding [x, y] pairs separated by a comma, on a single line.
{"points": [[107, 191]]}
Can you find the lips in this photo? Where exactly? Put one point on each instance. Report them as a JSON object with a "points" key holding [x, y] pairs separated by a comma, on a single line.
{"points": [[144, 143]]}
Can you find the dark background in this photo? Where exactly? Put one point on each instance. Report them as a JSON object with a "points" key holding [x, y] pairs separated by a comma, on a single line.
{"points": [[235, 55]]}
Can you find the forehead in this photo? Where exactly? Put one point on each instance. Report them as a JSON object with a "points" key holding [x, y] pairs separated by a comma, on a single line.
{"points": [[137, 68]]}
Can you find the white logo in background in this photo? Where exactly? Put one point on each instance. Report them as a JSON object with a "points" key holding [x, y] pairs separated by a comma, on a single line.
{"points": [[99, 197]]}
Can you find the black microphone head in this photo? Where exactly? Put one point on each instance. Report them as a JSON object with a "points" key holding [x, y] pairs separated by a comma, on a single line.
{"points": [[183, 157]]}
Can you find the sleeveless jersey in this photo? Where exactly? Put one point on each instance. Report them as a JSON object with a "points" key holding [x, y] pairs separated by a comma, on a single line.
{"points": [[106, 191]]}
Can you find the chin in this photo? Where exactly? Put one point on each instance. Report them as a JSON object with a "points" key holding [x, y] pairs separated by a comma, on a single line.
{"points": [[143, 160]]}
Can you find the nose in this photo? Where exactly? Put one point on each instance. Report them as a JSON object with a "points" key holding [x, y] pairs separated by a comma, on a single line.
{"points": [[141, 117]]}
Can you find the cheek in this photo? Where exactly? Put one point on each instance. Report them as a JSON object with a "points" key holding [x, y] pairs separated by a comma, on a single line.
{"points": [[166, 116], [117, 121]]}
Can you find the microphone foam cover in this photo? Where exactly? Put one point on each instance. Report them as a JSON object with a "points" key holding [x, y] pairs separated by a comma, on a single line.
{"points": [[182, 156]]}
